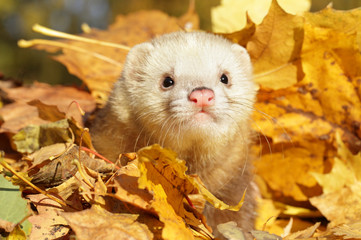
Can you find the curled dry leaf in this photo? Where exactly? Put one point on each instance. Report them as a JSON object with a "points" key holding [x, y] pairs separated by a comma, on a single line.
{"points": [[348, 231], [52, 172], [97, 223], [304, 234], [126, 184]]}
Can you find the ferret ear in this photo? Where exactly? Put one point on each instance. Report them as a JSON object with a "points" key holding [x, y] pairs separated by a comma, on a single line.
{"points": [[136, 59], [138, 53], [241, 52]]}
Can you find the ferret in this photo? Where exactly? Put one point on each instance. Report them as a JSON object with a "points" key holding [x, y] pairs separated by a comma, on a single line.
{"points": [[193, 93]]}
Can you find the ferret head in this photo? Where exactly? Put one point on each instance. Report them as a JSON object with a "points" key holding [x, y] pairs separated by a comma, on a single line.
{"points": [[184, 88]]}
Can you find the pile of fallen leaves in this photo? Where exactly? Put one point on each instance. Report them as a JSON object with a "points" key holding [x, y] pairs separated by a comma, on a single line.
{"points": [[307, 121]]}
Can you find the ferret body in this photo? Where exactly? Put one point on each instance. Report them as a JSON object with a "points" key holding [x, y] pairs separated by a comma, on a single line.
{"points": [[192, 93]]}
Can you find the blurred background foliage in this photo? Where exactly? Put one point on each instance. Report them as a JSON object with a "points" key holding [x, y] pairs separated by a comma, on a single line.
{"points": [[18, 16]]}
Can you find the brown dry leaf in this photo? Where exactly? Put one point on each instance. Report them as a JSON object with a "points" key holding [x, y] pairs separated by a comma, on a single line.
{"points": [[97, 223], [275, 47], [263, 235], [304, 234], [48, 224], [342, 206], [68, 191], [231, 231], [348, 231], [126, 184], [19, 114], [52, 172], [47, 153], [47, 112], [106, 62]]}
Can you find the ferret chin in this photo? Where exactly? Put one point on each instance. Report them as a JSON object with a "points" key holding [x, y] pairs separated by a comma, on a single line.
{"points": [[193, 93]]}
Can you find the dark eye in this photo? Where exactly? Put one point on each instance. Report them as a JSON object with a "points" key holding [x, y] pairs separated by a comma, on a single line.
{"points": [[167, 82], [224, 79]]}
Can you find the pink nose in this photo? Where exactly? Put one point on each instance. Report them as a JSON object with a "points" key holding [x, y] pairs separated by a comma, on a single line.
{"points": [[202, 97]]}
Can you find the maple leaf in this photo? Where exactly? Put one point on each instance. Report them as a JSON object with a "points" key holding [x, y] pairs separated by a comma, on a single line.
{"points": [[275, 47], [97, 223], [48, 223], [341, 188], [230, 15], [302, 128], [23, 109], [341, 21], [106, 57], [308, 68]]}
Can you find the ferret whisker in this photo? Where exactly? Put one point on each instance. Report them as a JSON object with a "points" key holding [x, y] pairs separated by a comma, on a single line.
{"points": [[271, 119], [138, 137], [154, 110], [163, 135], [260, 131], [172, 126], [274, 121], [150, 138], [244, 140]]}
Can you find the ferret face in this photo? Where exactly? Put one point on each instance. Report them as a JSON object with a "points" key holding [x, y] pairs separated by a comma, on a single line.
{"points": [[186, 87]]}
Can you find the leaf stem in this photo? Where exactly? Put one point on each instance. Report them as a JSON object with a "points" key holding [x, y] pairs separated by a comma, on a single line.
{"points": [[8, 167], [53, 33], [30, 43]]}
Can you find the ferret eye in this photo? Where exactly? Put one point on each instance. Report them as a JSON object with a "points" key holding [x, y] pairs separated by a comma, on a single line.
{"points": [[224, 79], [167, 82]]}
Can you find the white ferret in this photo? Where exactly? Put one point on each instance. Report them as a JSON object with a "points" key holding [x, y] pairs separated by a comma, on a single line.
{"points": [[192, 93]]}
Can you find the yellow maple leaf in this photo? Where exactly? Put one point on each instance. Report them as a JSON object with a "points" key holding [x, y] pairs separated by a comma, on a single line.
{"points": [[341, 21], [339, 202], [302, 129], [230, 15], [174, 226], [274, 48], [165, 177], [275, 167], [160, 166]]}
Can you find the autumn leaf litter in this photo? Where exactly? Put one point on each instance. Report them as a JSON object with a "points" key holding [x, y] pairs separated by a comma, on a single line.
{"points": [[307, 118]]}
